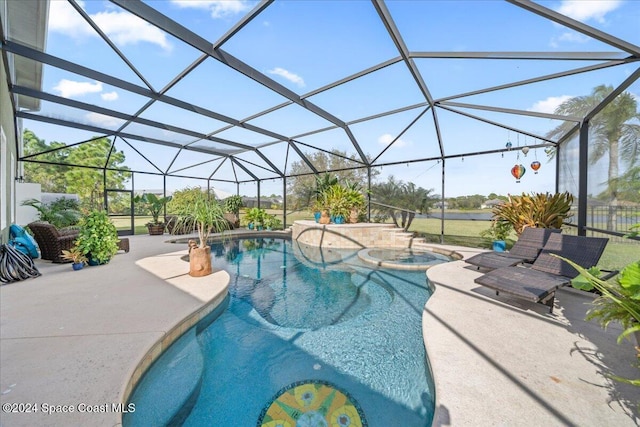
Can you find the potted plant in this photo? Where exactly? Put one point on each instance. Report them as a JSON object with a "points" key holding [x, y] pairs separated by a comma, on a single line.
{"points": [[338, 203], [498, 233], [254, 218], [323, 183], [271, 222], [232, 207], [355, 201], [208, 217], [321, 209], [154, 206], [76, 256], [98, 238]]}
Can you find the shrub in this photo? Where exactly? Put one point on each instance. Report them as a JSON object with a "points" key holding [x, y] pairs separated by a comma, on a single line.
{"points": [[537, 210], [61, 212], [98, 237]]}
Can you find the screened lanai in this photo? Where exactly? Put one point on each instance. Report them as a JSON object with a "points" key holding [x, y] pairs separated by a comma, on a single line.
{"points": [[252, 97]]}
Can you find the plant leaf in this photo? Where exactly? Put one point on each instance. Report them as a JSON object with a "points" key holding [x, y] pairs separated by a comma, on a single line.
{"points": [[630, 279]]}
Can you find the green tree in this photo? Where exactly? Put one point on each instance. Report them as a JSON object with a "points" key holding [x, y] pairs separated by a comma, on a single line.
{"points": [[493, 196], [302, 189], [49, 176], [474, 201], [614, 132], [629, 185], [86, 182]]}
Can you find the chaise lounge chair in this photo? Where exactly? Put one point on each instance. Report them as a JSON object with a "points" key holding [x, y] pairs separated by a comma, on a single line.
{"points": [[526, 249], [547, 273]]}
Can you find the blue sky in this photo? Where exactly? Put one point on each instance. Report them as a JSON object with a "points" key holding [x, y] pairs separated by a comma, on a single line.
{"points": [[304, 45]]}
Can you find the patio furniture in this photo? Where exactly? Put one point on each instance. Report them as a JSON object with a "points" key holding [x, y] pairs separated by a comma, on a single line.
{"points": [[123, 244], [547, 273], [52, 241], [526, 249]]}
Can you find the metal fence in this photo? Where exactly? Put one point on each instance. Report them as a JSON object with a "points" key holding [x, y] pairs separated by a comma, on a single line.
{"points": [[611, 221]]}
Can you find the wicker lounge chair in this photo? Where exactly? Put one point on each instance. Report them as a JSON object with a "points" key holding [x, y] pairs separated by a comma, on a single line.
{"points": [[52, 241], [526, 249], [540, 282]]}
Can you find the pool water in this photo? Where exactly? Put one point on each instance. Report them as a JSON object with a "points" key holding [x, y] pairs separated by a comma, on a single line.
{"points": [[408, 256], [298, 318]]}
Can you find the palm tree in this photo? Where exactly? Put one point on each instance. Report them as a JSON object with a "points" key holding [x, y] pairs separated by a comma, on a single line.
{"points": [[612, 132], [384, 195], [406, 196]]}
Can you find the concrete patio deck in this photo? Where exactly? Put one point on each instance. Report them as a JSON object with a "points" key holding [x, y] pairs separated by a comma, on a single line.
{"points": [[507, 362], [68, 338]]}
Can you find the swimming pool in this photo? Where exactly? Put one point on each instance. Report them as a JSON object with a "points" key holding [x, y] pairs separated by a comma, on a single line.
{"points": [[306, 333]]}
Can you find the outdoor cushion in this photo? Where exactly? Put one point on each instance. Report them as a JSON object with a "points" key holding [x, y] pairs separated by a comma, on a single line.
{"points": [[526, 249], [22, 241]]}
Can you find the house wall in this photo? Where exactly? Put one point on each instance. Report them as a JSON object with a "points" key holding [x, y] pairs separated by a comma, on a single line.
{"points": [[27, 191], [8, 156]]}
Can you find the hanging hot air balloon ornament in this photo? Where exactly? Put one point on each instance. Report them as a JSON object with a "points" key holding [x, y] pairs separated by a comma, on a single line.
{"points": [[525, 150], [535, 165], [518, 172], [508, 145]]}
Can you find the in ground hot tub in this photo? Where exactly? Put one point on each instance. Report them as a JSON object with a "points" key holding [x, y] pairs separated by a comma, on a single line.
{"points": [[402, 259]]}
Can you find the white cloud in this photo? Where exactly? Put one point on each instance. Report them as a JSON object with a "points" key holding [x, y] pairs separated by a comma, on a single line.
{"points": [[568, 37], [125, 28], [218, 8], [63, 18], [69, 88], [582, 10], [109, 96], [104, 121], [573, 37], [294, 78], [122, 27], [386, 139], [550, 104]]}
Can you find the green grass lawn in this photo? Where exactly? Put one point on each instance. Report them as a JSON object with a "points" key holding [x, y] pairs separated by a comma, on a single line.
{"points": [[124, 223], [619, 252]]}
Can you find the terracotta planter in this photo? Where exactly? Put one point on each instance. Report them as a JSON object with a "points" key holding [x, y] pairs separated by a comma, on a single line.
{"points": [[353, 217], [324, 218], [200, 262]]}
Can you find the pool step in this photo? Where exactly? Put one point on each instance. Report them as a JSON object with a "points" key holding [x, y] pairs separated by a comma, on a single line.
{"points": [[403, 239]]}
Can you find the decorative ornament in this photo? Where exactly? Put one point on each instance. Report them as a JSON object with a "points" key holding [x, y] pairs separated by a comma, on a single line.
{"points": [[508, 145], [312, 403], [518, 172], [535, 165], [525, 150]]}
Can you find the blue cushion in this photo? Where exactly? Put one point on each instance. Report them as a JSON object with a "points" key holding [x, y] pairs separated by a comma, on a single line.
{"points": [[22, 241]]}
